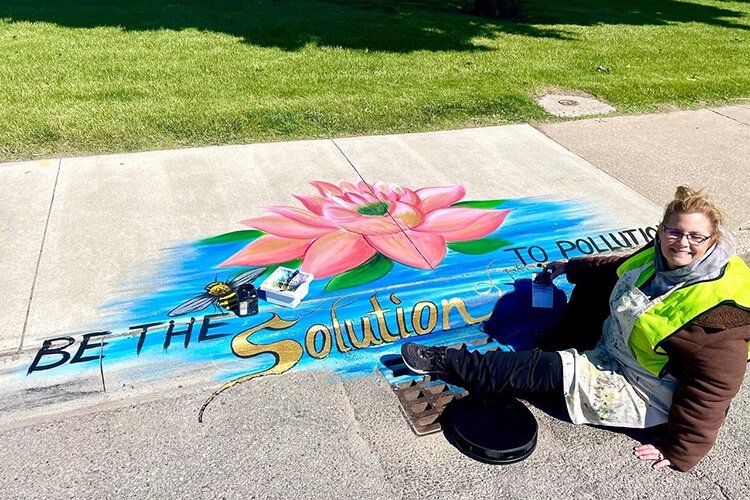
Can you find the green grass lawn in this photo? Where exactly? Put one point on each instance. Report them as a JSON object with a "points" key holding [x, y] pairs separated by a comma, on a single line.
{"points": [[85, 76]]}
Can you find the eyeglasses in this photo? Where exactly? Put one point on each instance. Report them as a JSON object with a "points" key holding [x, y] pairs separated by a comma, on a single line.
{"points": [[694, 238]]}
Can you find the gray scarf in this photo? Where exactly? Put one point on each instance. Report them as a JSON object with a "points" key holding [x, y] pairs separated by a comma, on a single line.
{"points": [[708, 267]]}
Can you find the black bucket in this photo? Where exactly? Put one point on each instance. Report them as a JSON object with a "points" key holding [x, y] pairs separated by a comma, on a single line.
{"points": [[493, 430]]}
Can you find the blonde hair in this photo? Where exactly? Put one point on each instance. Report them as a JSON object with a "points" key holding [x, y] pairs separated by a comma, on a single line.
{"points": [[687, 201]]}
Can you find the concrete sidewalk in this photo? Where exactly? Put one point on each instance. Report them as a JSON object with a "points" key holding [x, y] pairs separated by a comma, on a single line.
{"points": [[88, 238], [707, 148]]}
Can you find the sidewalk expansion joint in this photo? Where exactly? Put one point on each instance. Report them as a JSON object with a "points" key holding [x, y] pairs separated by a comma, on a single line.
{"points": [[39, 257], [389, 212], [101, 366], [729, 117]]}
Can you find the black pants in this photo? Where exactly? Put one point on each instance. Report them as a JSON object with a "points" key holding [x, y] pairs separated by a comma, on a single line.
{"points": [[519, 373]]}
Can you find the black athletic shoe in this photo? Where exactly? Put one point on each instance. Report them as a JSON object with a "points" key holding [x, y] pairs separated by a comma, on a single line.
{"points": [[424, 360]]}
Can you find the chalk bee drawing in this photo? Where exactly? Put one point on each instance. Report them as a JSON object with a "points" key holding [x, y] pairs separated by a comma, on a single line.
{"points": [[218, 293]]}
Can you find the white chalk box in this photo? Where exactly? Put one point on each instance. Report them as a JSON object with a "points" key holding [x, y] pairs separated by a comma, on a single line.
{"points": [[286, 287]]}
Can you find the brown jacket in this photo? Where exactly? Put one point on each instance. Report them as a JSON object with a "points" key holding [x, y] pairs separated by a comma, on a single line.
{"points": [[708, 357]]}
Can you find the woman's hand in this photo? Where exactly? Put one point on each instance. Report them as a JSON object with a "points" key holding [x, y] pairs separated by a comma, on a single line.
{"points": [[557, 268], [651, 452]]}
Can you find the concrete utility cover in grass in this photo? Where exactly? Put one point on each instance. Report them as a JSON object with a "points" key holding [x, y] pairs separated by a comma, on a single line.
{"points": [[573, 105]]}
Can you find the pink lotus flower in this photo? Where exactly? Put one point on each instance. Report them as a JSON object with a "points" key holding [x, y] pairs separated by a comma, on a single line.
{"points": [[346, 225]]}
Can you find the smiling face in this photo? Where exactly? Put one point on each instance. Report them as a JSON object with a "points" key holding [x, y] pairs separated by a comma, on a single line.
{"points": [[681, 251]]}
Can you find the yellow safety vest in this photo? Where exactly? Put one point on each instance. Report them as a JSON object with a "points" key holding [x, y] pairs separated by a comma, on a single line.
{"points": [[668, 316]]}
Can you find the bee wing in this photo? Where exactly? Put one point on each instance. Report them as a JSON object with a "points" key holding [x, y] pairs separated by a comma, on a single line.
{"points": [[198, 303], [247, 277]]}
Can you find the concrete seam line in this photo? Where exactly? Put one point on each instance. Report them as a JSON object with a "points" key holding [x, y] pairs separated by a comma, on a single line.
{"points": [[101, 365], [359, 432], [729, 117], [389, 212], [597, 170], [39, 256]]}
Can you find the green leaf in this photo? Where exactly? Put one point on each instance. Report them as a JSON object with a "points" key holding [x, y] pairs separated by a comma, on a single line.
{"points": [[480, 204], [477, 247], [375, 268], [245, 235]]}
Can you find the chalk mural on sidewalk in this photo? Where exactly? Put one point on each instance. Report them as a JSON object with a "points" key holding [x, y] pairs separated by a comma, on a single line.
{"points": [[389, 263]]}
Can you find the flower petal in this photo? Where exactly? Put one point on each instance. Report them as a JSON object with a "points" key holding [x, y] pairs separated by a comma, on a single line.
{"points": [[348, 187], [268, 249], [462, 224], [342, 202], [302, 216], [434, 198], [335, 253], [314, 204], [407, 215], [355, 198], [410, 197], [282, 226], [326, 189], [361, 224], [364, 187], [420, 250]]}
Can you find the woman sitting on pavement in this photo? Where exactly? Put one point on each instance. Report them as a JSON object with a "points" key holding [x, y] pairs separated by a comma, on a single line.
{"points": [[672, 351]]}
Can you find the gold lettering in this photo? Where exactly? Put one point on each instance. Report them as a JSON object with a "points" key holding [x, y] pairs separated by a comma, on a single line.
{"points": [[287, 352], [368, 338], [310, 337], [416, 317], [379, 313], [458, 304], [340, 345], [400, 321]]}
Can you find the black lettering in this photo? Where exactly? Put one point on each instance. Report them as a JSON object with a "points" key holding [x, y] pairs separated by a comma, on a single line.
{"points": [[518, 253], [630, 232], [531, 250], [48, 350], [625, 243], [643, 233], [171, 333], [651, 231], [79, 357], [596, 247], [142, 338], [609, 245], [203, 336], [584, 242], [564, 251]]}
